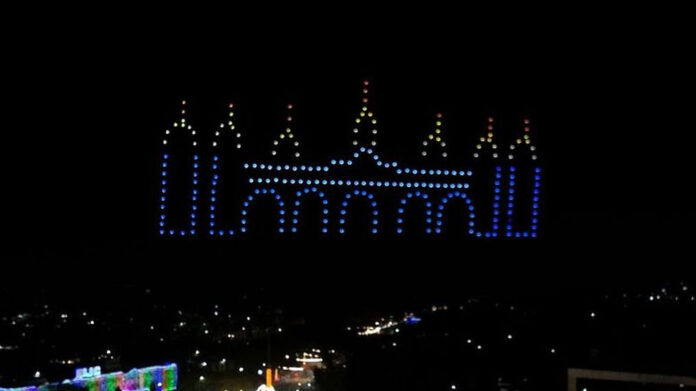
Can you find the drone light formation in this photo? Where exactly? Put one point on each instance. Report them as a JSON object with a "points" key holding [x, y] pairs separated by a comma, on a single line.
{"points": [[337, 184]]}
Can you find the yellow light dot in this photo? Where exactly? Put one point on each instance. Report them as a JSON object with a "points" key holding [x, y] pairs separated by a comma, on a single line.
{"points": [[438, 123], [282, 136], [437, 139], [437, 131], [430, 136]]}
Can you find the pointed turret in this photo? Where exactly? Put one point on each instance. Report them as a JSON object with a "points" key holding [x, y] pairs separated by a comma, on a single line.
{"points": [[287, 136], [486, 144], [365, 130], [523, 144], [435, 141]]}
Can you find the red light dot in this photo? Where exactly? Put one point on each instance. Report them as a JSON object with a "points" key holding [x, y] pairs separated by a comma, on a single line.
{"points": [[439, 115], [231, 105], [289, 106], [490, 127], [490, 119], [526, 121], [289, 118], [364, 90], [366, 82], [183, 102]]}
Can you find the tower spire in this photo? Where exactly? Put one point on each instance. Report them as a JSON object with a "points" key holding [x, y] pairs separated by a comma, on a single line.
{"points": [[524, 141], [487, 142], [287, 135], [435, 138], [365, 130]]}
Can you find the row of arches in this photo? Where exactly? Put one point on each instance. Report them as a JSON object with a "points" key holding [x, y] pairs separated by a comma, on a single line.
{"points": [[288, 215]]}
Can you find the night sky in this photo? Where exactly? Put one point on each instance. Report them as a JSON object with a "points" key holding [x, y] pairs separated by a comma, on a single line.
{"points": [[90, 100]]}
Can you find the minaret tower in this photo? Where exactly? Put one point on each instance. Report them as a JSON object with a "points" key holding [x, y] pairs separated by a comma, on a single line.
{"points": [[488, 176], [227, 146], [524, 183], [179, 156]]}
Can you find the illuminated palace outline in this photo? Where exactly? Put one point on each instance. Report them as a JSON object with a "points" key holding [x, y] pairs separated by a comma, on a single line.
{"points": [[435, 188]]}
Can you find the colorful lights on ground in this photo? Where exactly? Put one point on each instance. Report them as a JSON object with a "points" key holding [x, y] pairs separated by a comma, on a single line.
{"points": [[163, 378], [333, 184]]}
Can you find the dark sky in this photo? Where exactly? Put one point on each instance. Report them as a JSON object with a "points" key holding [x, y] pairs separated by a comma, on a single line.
{"points": [[91, 96]]}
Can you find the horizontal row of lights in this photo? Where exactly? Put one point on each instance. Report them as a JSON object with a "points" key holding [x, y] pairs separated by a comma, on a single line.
{"points": [[357, 182]]}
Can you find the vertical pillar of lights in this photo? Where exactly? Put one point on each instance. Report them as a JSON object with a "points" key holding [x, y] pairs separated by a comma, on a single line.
{"points": [[441, 208], [193, 213], [366, 121], [525, 141], [250, 199], [343, 212], [324, 209], [287, 135], [217, 161], [401, 209], [483, 144], [436, 138]]}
